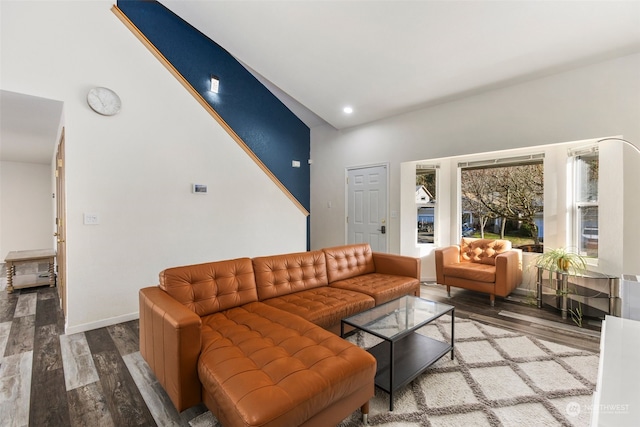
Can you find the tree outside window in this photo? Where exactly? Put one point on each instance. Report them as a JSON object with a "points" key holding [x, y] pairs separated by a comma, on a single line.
{"points": [[504, 202]]}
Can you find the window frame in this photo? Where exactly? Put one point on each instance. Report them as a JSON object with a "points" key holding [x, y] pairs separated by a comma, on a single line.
{"points": [[577, 205], [436, 171]]}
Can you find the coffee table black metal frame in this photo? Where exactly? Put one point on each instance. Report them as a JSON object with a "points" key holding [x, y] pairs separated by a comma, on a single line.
{"points": [[403, 354]]}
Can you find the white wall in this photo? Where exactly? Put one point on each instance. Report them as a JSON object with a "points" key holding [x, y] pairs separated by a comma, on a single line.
{"points": [[135, 169], [26, 217], [589, 102], [631, 233]]}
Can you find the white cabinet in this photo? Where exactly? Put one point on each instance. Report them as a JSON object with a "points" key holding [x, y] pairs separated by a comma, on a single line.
{"points": [[616, 401]]}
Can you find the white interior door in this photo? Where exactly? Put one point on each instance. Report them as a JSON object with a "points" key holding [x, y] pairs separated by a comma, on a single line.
{"points": [[367, 206]]}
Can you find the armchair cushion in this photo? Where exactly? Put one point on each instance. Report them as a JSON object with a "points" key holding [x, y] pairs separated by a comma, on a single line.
{"points": [[483, 251], [472, 271]]}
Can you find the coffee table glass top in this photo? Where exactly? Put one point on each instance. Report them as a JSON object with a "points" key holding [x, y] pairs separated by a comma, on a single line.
{"points": [[396, 318]]}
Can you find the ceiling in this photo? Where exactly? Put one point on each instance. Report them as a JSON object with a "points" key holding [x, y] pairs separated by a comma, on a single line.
{"points": [[382, 58], [29, 127], [385, 58]]}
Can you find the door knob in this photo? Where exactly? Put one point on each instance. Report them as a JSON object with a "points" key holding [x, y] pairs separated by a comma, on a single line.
{"points": [[383, 229], [60, 241]]}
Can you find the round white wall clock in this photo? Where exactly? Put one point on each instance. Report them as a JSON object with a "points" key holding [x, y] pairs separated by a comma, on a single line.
{"points": [[104, 101]]}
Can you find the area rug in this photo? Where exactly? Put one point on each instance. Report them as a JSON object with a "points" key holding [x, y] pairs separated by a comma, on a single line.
{"points": [[497, 378]]}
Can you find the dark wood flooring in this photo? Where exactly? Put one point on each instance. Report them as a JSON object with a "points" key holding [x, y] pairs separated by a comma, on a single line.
{"points": [[98, 377], [519, 313], [93, 378]]}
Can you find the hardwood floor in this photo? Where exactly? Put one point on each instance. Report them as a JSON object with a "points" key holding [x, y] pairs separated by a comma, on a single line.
{"points": [[519, 313], [99, 378], [95, 378]]}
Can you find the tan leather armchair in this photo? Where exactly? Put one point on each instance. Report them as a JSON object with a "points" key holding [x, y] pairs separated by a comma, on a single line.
{"points": [[483, 265]]}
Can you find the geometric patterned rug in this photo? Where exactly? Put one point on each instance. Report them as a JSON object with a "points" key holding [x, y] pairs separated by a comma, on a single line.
{"points": [[497, 378]]}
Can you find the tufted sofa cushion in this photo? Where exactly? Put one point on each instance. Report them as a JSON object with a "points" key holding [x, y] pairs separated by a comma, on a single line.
{"points": [[284, 274], [381, 287], [211, 287], [482, 251], [324, 306], [345, 262], [261, 366], [297, 283]]}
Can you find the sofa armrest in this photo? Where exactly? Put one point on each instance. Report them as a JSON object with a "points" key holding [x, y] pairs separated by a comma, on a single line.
{"points": [[445, 256], [170, 342], [397, 265], [508, 272]]}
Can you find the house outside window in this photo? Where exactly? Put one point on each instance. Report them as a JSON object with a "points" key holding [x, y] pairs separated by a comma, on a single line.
{"points": [[426, 184], [586, 167]]}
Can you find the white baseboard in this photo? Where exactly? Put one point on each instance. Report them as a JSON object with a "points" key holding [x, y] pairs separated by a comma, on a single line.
{"points": [[69, 330]]}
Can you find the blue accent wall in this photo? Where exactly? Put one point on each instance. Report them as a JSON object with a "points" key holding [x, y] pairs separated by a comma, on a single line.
{"points": [[260, 119]]}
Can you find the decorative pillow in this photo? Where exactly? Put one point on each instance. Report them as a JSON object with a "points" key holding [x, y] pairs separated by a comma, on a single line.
{"points": [[483, 251]]}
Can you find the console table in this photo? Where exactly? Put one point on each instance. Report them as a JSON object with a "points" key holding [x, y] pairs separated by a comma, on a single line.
{"points": [[23, 257], [598, 294]]}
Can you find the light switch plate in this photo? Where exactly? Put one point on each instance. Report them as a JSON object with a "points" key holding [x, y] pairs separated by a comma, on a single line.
{"points": [[91, 219]]}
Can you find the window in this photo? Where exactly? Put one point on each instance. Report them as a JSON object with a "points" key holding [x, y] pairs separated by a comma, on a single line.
{"points": [[426, 178], [504, 198], [586, 203]]}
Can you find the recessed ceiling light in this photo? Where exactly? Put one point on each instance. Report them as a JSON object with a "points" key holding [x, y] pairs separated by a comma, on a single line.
{"points": [[348, 110]]}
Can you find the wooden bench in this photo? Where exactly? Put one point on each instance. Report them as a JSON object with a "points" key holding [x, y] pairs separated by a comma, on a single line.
{"points": [[22, 257]]}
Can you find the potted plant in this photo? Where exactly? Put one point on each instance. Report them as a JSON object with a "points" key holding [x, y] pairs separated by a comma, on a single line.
{"points": [[561, 259], [566, 261]]}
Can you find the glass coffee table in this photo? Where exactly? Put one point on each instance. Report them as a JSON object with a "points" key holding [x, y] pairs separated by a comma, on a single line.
{"points": [[403, 354]]}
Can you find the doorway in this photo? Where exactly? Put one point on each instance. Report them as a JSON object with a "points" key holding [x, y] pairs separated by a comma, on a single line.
{"points": [[61, 226], [367, 189]]}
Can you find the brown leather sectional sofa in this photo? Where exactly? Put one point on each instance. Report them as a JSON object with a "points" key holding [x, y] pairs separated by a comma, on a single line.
{"points": [[251, 337]]}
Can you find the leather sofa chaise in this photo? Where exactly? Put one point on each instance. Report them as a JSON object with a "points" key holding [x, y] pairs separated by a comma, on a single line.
{"points": [[255, 339], [491, 266]]}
